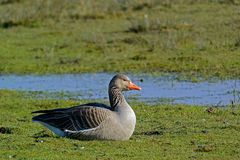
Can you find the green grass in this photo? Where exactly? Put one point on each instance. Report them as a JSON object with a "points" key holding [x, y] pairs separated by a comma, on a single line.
{"points": [[162, 132], [188, 37]]}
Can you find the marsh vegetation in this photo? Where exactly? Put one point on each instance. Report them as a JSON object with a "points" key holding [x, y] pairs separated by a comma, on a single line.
{"points": [[189, 37]]}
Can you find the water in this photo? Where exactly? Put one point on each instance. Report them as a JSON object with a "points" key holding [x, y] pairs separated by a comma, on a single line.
{"points": [[164, 89]]}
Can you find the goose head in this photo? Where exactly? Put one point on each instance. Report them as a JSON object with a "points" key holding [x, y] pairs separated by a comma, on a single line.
{"points": [[123, 83]]}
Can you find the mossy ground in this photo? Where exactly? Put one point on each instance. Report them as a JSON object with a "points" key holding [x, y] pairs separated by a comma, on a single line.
{"points": [[162, 132], [187, 36]]}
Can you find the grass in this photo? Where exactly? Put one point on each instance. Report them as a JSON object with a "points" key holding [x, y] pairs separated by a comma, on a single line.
{"points": [[162, 132], [188, 37]]}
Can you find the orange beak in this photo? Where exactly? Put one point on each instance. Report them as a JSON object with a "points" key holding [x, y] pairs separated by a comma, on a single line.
{"points": [[133, 86]]}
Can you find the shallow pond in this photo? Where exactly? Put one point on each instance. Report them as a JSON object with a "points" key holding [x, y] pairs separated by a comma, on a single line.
{"points": [[164, 89]]}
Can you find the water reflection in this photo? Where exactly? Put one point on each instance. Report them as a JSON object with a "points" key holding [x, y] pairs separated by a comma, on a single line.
{"points": [[166, 89]]}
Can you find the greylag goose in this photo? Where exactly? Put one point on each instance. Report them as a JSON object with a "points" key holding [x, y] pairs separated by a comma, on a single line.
{"points": [[95, 120]]}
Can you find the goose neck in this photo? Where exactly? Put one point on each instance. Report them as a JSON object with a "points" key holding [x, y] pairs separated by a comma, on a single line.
{"points": [[116, 98]]}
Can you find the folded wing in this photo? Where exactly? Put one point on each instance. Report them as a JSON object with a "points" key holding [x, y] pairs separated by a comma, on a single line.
{"points": [[78, 118]]}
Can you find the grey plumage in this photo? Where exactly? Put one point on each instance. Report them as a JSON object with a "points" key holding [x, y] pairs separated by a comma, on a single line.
{"points": [[94, 120]]}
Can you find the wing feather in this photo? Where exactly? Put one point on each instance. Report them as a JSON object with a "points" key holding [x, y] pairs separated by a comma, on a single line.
{"points": [[73, 119]]}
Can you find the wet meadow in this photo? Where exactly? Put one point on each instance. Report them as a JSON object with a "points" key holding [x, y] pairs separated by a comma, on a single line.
{"points": [[195, 43]]}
